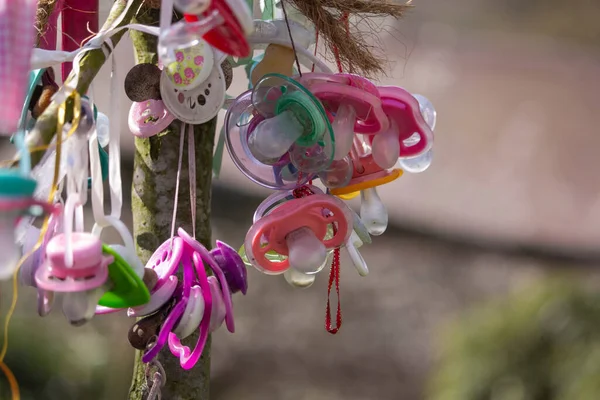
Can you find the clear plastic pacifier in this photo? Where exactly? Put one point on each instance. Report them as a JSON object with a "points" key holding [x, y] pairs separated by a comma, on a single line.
{"points": [[421, 163], [409, 135]]}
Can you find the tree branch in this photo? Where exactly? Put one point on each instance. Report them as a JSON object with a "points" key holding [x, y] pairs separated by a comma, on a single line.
{"points": [[91, 62]]}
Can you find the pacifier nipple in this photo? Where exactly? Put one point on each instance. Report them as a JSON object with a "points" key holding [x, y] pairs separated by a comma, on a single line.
{"points": [[427, 110], [306, 252], [343, 128], [298, 279], [8, 248], [131, 259], [373, 212], [273, 137], [338, 174], [386, 147], [352, 246], [80, 307], [418, 164]]}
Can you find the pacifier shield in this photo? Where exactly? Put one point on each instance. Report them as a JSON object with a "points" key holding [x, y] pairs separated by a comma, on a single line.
{"points": [[191, 67], [128, 289], [148, 118], [197, 105]]}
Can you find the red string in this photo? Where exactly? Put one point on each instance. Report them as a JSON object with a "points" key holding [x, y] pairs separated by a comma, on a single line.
{"points": [[334, 275]]}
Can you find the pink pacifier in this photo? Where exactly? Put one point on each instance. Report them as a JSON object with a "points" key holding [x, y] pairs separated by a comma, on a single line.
{"points": [[408, 136], [31, 264], [188, 358], [353, 104], [165, 260], [197, 247], [298, 229], [182, 295], [148, 118]]}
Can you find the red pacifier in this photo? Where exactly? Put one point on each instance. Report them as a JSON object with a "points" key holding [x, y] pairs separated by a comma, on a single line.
{"points": [[232, 22], [298, 229]]}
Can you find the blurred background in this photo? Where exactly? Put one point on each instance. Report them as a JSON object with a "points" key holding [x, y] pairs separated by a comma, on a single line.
{"points": [[511, 199]]}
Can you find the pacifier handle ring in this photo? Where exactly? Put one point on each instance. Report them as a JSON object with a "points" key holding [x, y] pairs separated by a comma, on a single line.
{"points": [[187, 358], [120, 228], [205, 256], [165, 330]]}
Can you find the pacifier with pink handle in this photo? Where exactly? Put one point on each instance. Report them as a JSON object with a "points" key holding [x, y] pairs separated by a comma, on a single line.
{"points": [[188, 358], [353, 104], [408, 136], [148, 118], [206, 257], [298, 229], [75, 265], [182, 297]]}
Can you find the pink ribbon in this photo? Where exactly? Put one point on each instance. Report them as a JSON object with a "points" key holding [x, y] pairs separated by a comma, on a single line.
{"points": [[17, 38]]}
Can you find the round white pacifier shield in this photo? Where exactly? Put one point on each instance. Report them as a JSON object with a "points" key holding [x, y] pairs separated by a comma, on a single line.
{"points": [[198, 105]]}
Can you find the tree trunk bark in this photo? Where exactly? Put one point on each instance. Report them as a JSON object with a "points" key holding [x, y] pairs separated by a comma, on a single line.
{"points": [[153, 191]]}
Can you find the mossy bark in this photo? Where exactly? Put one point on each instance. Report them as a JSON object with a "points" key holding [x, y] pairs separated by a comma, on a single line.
{"points": [[153, 191]]}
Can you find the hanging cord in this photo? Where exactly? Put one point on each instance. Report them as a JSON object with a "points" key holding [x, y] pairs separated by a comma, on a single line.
{"points": [[159, 379], [192, 176], [14, 386], [181, 139], [287, 23], [334, 274]]}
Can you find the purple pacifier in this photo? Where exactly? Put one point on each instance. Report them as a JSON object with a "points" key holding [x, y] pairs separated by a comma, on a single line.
{"points": [[233, 267]]}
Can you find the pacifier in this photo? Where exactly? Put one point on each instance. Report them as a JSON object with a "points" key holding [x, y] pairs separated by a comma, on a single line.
{"points": [[224, 24], [421, 163], [408, 136], [352, 102], [298, 229], [232, 266], [148, 118], [191, 66], [31, 264], [207, 257], [188, 358], [145, 330], [276, 59], [198, 104], [126, 270], [278, 133], [76, 266], [16, 200]]}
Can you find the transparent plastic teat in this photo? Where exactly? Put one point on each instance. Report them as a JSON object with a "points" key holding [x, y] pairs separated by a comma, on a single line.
{"points": [[80, 307], [10, 251], [297, 279], [307, 253], [273, 137], [184, 34], [373, 212], [386, 147], [133, 260], [191, 6], [427, 110], [338, 174], [102, 129], [417, 164], [343, 129], [352, 246]]}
